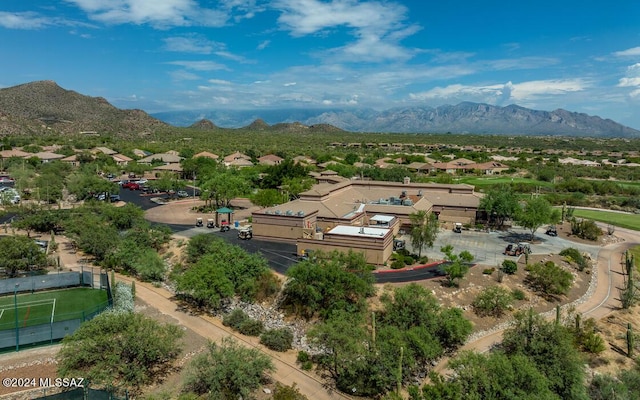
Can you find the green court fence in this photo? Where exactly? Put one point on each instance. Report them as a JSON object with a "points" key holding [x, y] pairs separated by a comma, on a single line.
{"points": [[45, 330]]}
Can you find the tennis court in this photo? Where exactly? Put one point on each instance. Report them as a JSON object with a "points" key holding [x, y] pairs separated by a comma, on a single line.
{"points": [[49, 307]]}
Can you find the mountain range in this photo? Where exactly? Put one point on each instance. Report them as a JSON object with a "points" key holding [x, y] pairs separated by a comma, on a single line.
{"points": [[466, 117], [43, 106]]}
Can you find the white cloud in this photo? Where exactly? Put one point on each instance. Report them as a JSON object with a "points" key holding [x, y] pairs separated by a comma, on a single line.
{"points": [[199, 65], [182, 75], [159, 13], [263, 45], [195, 45], [632, 52], [23, 20], [219, 82], [503, 93], [377, 26], [29, 20], [289, 84], [632, 78]]}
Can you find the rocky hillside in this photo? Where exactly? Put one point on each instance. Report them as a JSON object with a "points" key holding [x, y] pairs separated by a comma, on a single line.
{"points": [[477, 119], [44, 106]]}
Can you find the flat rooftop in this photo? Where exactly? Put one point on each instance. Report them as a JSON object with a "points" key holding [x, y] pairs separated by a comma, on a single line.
{"points": [[360, 231]]}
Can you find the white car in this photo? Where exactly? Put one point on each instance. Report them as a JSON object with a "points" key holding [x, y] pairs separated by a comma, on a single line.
{"points": [[141, 181], [9, 195]]}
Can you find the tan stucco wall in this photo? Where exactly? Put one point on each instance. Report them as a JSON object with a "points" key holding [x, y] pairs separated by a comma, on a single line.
{"points": [[377, 251]]}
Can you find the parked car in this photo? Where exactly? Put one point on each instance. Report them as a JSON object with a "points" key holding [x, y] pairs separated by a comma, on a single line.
{"points": [[182, 193], [142, 181], [114, 197], [6, 179], [131, 186]]}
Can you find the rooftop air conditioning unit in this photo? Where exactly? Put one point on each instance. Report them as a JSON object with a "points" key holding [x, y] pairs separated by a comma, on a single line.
{"points": [[278, 212], [288, 212], [300, 213]]}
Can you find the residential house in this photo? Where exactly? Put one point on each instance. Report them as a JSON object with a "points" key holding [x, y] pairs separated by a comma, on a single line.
{"points": [[4, 154], [47, 156], [237, 159], [121, 159], [103, 150], [166, 158], [141, 153], [453, 166], [491, 167], [270, 159], [71, 160], [206, 154]]}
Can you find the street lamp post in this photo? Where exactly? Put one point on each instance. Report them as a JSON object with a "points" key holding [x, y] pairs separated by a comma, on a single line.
{"points": [[194, 188], [15, 305]]}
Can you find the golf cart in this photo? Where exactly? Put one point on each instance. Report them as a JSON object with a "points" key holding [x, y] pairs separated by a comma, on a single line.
{"points": [[245, 233], [457, 228], [224, 226], [211, 223], [305, 254], [516, 250], [551, 231], [199, 222], [398, 244]]}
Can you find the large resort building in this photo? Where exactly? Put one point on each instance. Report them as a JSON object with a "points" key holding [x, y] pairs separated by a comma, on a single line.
{"points": [[362, 216]]}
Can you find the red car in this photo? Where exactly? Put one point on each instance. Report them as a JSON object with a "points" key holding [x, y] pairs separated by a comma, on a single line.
{"points": [[131, 186]]}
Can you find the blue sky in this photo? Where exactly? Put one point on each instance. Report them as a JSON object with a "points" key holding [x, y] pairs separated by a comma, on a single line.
{"points": [[161, 55]]}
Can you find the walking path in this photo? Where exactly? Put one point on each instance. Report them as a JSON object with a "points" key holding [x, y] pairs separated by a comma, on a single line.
{"points": [[604, 300]]}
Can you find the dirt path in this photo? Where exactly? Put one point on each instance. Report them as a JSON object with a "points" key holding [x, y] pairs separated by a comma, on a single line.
{"points": [[212, 328]]}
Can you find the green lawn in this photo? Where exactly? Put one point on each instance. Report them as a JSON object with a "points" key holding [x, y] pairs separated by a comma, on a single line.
{"points": [[630, 221], [37, 308]]}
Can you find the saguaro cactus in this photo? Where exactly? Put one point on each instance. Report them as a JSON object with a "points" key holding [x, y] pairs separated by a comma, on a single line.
{"points": [[629, 340]]}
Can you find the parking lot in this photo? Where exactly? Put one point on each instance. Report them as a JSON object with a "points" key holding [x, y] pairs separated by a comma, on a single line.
{"points": [[487, 247]]}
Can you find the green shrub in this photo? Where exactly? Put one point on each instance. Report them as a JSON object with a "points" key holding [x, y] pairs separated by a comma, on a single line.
{"points": [[593, 343], [550, 278], [488, 271], [509, 267], [585, 229], [303, 357], [574, 255], [235, 319], [251, 327], [397, 263], [518, 294], [277, 339], [423, 260], [307, 365], [492, 301]]}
